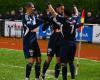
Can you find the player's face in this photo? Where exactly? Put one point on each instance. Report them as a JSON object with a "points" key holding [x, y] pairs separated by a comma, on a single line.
{"points": [[31, 9], [61, 9]]}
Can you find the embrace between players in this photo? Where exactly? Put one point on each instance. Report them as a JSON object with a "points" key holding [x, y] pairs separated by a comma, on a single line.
{"points": [[62, 43]]}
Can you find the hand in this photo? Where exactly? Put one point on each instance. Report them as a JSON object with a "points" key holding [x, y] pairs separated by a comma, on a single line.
{"points": [[52, 10]]}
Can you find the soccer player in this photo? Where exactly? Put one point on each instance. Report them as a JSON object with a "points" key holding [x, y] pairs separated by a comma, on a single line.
{"points": [[54, 43], [30, 44], [68, 47]]}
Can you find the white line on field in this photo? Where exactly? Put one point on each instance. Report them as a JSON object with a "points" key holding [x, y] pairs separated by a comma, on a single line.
{"points": [[11, 49], [89, 59], [49, 73], [12, 66]]}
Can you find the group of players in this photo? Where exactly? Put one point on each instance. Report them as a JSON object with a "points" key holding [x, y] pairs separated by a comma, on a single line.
{"points": [[62, 41]]}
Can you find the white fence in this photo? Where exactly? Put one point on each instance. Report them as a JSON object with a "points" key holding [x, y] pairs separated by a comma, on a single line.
{"points": [[91, 32], [13, 29]]}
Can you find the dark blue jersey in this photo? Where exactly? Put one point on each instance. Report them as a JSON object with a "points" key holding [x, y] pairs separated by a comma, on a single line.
{"points": [[69, 27], [30, 22], [30, 45]]}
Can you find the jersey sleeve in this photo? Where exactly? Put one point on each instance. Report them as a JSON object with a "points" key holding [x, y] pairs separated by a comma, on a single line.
{"points": [[31, 24]]}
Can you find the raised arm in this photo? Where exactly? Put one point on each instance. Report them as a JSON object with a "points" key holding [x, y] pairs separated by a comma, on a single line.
{"points": [[52, 10], [76, 12]]}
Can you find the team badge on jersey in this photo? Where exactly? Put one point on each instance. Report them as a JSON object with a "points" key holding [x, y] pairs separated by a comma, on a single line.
{"points": [[31, 52]]}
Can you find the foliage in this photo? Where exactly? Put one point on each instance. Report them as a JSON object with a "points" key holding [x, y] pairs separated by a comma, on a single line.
{"points": [[89, 5]]}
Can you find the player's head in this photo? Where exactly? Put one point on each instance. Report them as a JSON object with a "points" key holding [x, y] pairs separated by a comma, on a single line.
{"points": [[60, 8], [68, 12], [29, 8]]}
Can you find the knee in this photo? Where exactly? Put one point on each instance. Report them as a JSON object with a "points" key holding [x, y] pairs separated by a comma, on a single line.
{"points": [[38, 60], [30, 60], [58, 60], [48, 60]]}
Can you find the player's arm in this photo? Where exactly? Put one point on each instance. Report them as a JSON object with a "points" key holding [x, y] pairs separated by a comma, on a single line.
{"points": [[76, 12], [54, 13], [47, 17], [38, 22]]}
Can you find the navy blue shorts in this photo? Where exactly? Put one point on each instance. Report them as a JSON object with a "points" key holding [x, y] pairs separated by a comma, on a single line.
{"points": [[54, 44], [30, 46], [67, 53]]}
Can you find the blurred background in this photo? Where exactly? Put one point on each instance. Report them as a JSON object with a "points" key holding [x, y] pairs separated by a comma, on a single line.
{"points": [[12, 63]]}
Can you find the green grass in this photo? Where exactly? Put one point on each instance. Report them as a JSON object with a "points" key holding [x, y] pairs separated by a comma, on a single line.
{"points": [[12, 67]]}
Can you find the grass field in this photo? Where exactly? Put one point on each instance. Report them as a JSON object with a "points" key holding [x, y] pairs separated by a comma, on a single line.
{"points": [[12, 67]]}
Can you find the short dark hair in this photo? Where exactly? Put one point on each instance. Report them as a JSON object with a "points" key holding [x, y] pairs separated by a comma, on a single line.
{"points": [[58, 5], [68, 12], [28, 4]]}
